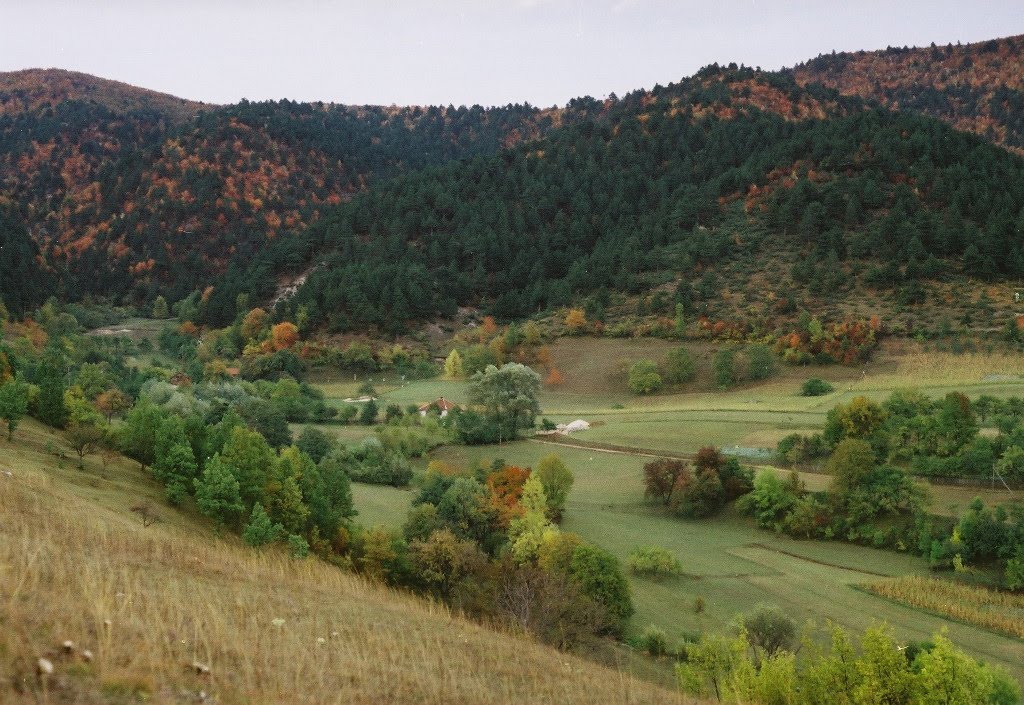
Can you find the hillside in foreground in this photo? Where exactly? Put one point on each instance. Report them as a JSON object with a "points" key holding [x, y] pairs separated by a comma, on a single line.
{"points": [[154, 604]]}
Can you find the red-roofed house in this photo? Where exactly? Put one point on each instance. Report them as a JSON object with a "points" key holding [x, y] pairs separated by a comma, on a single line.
{"points": [[442, 405]]}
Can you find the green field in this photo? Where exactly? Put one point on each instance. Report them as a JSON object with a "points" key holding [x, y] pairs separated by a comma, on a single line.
{"points": [[686, 418], [727, 561]]}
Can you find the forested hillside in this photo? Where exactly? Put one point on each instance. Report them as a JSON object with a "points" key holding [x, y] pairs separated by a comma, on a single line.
{"points": [[23, 281], [31, 89], [735, 193], [669, 188], [975, 87], [127, 191]]}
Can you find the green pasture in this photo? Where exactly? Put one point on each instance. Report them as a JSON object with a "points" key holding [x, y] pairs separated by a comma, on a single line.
{"points": [[727, 561], [685, 418]]}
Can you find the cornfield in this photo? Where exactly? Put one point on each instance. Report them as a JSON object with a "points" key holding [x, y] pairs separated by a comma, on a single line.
{"points": [[1001, 612]]}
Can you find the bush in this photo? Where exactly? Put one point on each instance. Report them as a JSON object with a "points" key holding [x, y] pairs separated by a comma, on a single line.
{"points": [[374, 464], [654, 641], [599, 577], [644, 377], [654, 561], [476, 429], [761, 362], [680, 366], [298, 547], [725, 368], [798, 448], [815, 387]]}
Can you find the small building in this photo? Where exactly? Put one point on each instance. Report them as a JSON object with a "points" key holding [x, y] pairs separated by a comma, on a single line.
{"points": [[442, 405]]}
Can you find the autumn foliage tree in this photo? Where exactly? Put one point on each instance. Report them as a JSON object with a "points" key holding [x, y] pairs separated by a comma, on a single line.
{"points": [[662, 476], [505, 489], [253, 324], [111, 403], [576, 321], [554, 378], [284, 335]]}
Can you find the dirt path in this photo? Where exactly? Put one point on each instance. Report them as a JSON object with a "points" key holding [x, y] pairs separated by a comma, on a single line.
{"points": [[622, 450]]}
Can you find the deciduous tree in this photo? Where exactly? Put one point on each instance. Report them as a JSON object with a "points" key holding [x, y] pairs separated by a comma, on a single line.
{"points": [[13, 405], [508, 394], [84, 438], [557, 479]]}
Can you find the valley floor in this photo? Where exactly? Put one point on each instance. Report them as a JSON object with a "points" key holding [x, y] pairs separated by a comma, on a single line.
{"points": [[727, 561]]}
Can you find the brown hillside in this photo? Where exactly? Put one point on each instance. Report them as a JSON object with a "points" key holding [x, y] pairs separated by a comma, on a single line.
{"points": [[32, 88], [974, 87], [157, 605]]}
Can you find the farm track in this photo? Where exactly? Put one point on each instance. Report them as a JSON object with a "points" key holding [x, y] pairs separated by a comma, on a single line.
{"points": [[828, 564], [619, 450]]}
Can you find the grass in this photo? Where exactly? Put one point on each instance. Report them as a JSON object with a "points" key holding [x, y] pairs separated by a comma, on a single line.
{"points": [[726, 561], [377, 508], [1001, 612], [686, 418], [149, 602]]}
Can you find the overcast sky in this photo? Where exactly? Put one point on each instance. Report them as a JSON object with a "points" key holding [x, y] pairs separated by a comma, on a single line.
{"points": [[461, 52]]}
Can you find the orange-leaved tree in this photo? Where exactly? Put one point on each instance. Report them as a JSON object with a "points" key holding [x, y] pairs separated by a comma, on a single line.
{"points": [[505, 488], [284, 335], [576, 320]]}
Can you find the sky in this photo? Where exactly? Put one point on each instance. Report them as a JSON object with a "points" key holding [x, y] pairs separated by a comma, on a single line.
{"points": [[490, 52]]}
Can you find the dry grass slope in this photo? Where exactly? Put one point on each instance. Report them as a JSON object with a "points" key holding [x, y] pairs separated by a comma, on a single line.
{"points": [[150, 602]]}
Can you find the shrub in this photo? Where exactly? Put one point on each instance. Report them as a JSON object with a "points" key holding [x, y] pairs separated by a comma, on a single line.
{"points": [[761, 362], [680, 366], [654, 641], [798, 448], [377, 465], [654, 561], [298, 547], [599, 577], [815, 387], [701, 497], [476, 429], [725, 368], [644, 377]]}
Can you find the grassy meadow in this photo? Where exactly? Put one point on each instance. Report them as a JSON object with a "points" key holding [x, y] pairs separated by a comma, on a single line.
{"points": [[684, 419], [727, 562], [176, 612]]}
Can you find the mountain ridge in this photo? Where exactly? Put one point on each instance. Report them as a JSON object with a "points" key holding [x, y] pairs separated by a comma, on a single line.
{"points": [[124, 201], [977, 87], [27, 89]]}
